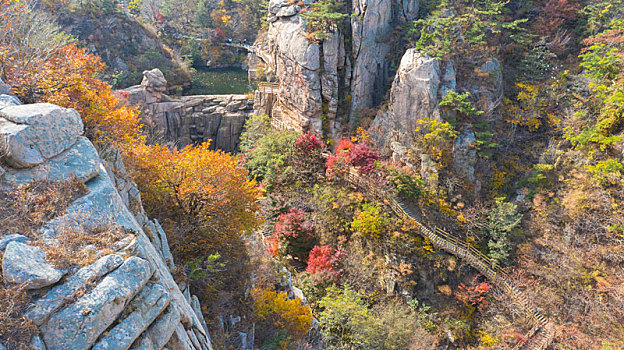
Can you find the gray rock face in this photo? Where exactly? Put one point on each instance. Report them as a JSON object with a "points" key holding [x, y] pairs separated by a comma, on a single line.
{"points": [[298, 65], [428, 170], [34, 133], [146, 306], [334, 58], [110, 301], [489, 92], [80, 160], [26, 265], [414, 95], [101, 204], [159, 333], [371, 24], [60, 294], [465, 155], [79, 325], [313, 79], [5, 89], [36, 343], [8, 101], [180, 340], [5, 240]]}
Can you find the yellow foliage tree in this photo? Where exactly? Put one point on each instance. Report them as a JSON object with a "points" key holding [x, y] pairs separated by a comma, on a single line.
{"points": [[289, 314]]}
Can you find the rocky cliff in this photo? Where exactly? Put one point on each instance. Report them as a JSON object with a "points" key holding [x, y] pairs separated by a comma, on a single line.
{"points": [[125, 296], [344, 74], [191, 119], [420, 84]]}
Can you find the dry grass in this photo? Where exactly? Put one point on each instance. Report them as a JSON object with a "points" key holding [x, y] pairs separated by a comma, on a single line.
{"points": [[23, 210], [15, 329], [26, 208], [72, 241]]}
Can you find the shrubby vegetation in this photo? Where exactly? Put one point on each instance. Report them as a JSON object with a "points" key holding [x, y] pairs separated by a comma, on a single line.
{"points": [[203, 198], [349, 322], [283, 322], [458, 26], [545, 203], [325, 17]]}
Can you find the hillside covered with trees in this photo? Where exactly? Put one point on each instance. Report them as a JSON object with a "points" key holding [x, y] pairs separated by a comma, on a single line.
{"points": [[455, 181]]}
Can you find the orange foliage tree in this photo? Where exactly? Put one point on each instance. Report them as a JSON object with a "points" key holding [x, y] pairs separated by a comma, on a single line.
{"points": [[44, 65], [206, 191], [69, 78]]}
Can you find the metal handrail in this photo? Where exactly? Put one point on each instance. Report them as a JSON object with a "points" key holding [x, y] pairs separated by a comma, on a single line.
{"points": [[453, 244]]}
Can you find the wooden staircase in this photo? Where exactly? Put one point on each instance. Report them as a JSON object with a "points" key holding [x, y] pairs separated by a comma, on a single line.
{"points": [[544, 330]]}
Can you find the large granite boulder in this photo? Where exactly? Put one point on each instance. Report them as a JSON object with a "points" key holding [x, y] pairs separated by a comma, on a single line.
{"points": [[27, 265], [80, 160], [155, 85], [5, 89], [31, 134], [415, 94], [79, 325]]}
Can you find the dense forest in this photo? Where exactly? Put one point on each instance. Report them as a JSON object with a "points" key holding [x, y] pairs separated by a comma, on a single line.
{"points": [[297, 235]]}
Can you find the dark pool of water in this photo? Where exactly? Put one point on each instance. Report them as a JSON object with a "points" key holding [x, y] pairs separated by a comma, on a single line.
{"points": [[219, 81]]}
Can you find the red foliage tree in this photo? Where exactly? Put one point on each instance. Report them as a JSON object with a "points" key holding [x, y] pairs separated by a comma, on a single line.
{"points": [[293, 236], [348, 155], [554, 14], [307, 155], [324, 262], [475, 296]]}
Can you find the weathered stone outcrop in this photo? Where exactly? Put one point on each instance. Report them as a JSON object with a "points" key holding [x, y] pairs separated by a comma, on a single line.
{"points": [[348, 68], [419, 85], [27, 265], [415, 94], [31, 134], [191, 119], [127, 298], [372, 23], [5, 89]]}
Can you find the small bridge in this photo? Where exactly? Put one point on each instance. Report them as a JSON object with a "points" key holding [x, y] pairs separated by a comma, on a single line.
{"points": [[268, 88], [241, 46]]}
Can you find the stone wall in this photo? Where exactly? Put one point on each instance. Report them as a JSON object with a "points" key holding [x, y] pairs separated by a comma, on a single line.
{"points": [[128, 297], [191, 119]]}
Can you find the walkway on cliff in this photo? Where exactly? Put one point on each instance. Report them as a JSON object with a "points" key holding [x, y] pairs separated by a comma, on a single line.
{"points": [[543, 331]]}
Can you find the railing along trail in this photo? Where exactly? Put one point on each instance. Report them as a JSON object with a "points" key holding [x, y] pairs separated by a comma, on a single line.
{"points": [[543, 332], [541, 336]]}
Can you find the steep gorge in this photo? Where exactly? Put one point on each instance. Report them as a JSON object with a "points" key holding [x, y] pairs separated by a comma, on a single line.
{"points": [[330, 83]]}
